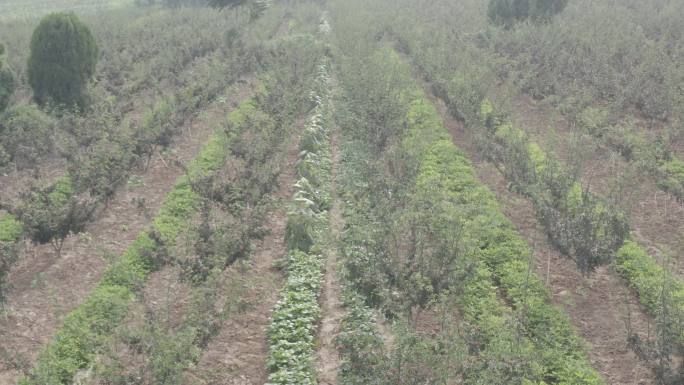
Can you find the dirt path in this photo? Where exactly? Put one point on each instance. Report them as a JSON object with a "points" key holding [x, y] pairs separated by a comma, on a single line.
{"points": [[46, 288], [597, 306], [328, 360], [237, 356]]}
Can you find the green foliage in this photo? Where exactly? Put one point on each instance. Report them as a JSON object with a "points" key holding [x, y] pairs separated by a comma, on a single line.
{"points": [[291, 334], [6, 82], [10, 231], [78, 341], [293, 322], [10, 228], [86, 328], [26, 135], [52, 213], [102, 167], [579, 223], [673, 178], [466, 238], [509, 12], [359, 343], [63, 59], [507, 256], [648, 278], [8, 255], [228, 3], [662, 294], [257, 9]]}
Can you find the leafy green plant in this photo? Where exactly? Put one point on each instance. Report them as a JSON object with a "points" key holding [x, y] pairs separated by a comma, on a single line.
{"points": [[291, 334]]}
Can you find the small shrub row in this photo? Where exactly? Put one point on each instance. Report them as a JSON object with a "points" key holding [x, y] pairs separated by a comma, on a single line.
{"points": [[445, 172], [233, 205], [359, 343], [294, 322], [86, 329], [652, 282], [650, 155], [97, 169], [580, 224], [458, 244], [611, 231]]}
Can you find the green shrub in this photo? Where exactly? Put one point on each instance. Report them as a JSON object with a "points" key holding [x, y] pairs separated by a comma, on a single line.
{"points": [[359, 342], [10, 228], [26, 135], [673, 180], [10, 231], [62, 61], [52, 213], [579, 223], [594, 120]]}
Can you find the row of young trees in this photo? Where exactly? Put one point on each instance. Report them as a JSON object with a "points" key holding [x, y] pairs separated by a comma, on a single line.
{"points": [[229, 204], [589, 228], [101, 148]]}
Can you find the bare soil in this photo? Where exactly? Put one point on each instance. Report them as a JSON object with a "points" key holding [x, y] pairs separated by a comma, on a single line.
{"points": [[237, 356], [328, 357], [597, 306], [46, 288]]}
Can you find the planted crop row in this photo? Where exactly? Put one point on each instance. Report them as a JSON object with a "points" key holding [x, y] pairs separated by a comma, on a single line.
{"points": [[650, 155], [586, 227], [579, 223], [642, 272], [294, 321], [457, 242], [86, 329], [102, 166], [659, 291], [359, 342], [463, 73], [233, 205]]}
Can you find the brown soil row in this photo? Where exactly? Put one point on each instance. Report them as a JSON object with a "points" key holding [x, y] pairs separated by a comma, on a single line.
{"points": [[597, 306], [331, 305], [46, 288]]}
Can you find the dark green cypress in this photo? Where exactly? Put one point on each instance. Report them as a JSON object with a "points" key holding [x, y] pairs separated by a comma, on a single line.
{"points": [[63, 59]]}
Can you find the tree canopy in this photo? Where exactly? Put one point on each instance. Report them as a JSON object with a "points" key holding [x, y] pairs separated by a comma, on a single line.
{"points": [[508, 12], [62, 61]]}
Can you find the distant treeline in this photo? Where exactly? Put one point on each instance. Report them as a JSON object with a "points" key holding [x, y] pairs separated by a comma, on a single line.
{"points": [[173, 3]]}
